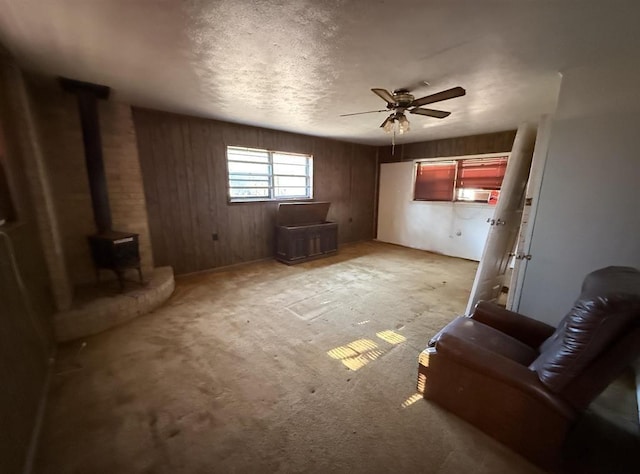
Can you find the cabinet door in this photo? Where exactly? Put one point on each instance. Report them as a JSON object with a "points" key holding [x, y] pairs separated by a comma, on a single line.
{"points": [[329, 239], [315, 242], [292, 243]]}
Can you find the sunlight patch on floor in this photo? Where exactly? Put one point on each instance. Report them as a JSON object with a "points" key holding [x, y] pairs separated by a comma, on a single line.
{"points": [[356, 354], [411, 400], [391, 337], [360, 352]]}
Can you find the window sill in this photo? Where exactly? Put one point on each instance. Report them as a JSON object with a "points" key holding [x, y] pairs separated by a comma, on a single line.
{"points": [[257, 201], [457, 203]]}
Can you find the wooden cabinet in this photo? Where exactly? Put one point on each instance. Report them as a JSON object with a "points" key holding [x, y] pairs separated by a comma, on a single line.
{"points": [[302, 243], [303, 234]]}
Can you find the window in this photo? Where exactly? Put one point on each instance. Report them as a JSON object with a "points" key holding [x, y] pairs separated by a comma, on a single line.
{"points": [[476, 178], [473, 179], [262, 175], [435, 181]]}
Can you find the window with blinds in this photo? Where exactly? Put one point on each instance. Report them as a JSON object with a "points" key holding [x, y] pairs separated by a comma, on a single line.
{"points": [[263, 175], [473, 179], [435, 181], [477, 178]]}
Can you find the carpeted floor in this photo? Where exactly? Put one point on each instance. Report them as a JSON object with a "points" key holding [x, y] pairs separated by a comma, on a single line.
{"points": [[265, 368]]}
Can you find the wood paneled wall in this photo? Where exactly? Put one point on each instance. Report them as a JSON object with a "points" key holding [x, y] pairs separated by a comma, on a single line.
{"points": [[459, 146], [183, 163], [26, 304], [25, 340]]}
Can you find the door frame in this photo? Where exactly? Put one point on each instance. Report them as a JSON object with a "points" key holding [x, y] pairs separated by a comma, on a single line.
{"points": [[529, 213]]}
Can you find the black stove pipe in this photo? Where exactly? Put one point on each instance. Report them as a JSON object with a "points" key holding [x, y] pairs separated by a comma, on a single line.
{"points": [[88, 95]]}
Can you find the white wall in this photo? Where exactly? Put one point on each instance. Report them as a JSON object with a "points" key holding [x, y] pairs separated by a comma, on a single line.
{"points": [[457, 229], [588, 215]]}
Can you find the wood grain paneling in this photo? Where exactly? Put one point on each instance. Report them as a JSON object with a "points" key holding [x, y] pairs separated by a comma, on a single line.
{"points": [[363, 183], [458, 146], [184, 168], [26, 339]]}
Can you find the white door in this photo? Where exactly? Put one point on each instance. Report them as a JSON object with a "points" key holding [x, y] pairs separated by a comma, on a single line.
{"points": [[506, 219], [529, 212]]}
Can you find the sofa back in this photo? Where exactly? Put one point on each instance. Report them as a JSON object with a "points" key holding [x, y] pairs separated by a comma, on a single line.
{"points": [[596, 340]]}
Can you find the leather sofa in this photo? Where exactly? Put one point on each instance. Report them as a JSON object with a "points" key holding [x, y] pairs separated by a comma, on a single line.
{"points": [[524, 382]]}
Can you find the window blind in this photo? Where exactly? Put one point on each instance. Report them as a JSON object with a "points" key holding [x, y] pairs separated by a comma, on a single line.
{"points": [[435, 181]]}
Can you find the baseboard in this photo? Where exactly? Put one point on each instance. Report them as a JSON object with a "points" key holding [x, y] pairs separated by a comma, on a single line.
{"points": [[37, 427]]}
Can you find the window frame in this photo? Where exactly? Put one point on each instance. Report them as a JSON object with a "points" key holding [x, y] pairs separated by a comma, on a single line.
{"points": [[448, 159], [270, 176]]}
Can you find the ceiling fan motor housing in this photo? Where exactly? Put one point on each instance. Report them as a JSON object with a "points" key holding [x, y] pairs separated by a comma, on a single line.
{"points": [[402, 98]]}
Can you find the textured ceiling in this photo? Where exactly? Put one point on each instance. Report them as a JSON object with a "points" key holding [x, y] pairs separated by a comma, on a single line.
{"points": [[297, 65]]}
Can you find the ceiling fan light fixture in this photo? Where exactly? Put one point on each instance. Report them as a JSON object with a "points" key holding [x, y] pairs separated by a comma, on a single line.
{"points": [[403, 124], [389, 124], [396, 123]]}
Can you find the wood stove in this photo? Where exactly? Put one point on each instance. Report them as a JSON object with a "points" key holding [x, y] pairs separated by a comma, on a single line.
{"points": [[111, 250], [116, 251]]}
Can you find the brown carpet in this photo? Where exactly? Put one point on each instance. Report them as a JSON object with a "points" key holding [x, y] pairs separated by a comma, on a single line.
{"points": [[267, 368]]}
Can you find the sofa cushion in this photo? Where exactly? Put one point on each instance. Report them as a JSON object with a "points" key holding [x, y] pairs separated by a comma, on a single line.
{"points": [[488, 338]]}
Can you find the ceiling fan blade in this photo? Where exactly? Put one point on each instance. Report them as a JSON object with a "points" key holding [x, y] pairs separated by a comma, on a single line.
{"points": [[430, 113], [388, 119], [369, 112], [385, 95], [444, 95]]}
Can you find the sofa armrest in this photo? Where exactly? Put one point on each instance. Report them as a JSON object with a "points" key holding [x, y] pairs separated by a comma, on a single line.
{"points": [[525, 329], [501, 369]]}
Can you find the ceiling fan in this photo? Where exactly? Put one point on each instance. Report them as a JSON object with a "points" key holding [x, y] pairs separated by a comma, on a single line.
{"points": [[401, 101]]}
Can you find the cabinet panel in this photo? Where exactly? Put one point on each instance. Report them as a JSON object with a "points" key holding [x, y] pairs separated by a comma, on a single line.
{"points": [[302, 243], [292, 243]]}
